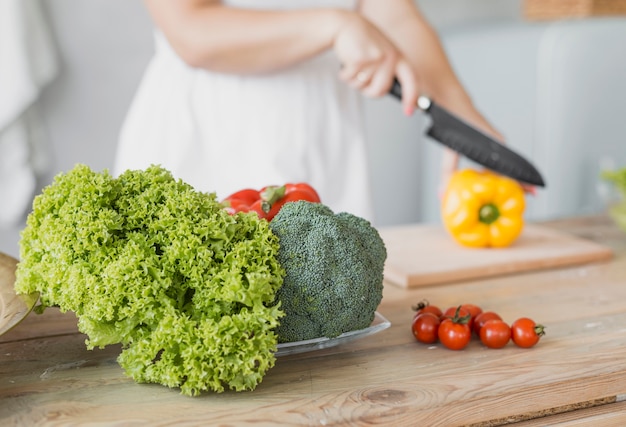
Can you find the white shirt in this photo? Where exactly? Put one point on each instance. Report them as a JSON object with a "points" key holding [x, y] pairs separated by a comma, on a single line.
{"points": [[223, 132]]}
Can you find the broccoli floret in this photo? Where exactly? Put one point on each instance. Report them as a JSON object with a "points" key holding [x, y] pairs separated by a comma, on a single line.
{"points": [[333, 271]]}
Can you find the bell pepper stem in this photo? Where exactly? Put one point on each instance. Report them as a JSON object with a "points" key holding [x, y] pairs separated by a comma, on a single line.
{"points": [[488, 213], [271, 195]]}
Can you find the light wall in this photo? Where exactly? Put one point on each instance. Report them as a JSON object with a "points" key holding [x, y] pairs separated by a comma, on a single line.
{"points": [[104, 45]]}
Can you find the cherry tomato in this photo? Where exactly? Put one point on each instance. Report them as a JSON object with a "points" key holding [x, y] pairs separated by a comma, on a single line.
{"points": [[425, 327], [473, 310], [526, 333], [495, 333], [452, 311], [482, 318], [425, 307], [458, 315], [454, 333]]}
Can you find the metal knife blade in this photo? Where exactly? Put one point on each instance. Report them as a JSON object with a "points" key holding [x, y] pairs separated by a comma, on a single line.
{"points": [[454, 133]]}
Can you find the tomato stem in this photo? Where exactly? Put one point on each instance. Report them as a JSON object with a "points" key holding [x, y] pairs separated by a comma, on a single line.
{"points": [[488, 213], [462, 320], [540, 330], [420, 305]]}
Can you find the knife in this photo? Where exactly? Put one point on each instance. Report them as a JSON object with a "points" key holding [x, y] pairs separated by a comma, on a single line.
{"points": [[452, 132]]}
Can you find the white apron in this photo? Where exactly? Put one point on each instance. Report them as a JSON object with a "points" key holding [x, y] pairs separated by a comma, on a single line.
{"points": [[221, 132]]}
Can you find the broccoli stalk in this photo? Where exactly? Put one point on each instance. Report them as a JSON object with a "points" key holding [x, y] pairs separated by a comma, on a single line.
{"points": [[333, 271]]}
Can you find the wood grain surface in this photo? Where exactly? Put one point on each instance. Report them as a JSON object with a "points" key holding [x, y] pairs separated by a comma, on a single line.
{"points": [[577, 372], [423, 254]]}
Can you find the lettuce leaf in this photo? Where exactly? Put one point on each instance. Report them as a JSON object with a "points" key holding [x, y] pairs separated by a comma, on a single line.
{"points": [[146, 261]]}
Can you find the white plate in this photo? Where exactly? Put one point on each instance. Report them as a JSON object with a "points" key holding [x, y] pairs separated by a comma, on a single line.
{"points": [[13, 308], [379, 324]]}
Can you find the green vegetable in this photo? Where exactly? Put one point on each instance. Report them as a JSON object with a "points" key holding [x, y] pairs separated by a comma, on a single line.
{"points": [[146, 261], [334, 271], [618, 210]]}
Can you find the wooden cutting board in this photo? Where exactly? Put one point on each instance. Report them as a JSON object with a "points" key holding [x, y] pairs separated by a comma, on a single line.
{"points": [[424, 254]]}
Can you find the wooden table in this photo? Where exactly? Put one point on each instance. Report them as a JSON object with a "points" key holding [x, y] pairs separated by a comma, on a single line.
{"points": [[577, 372]]}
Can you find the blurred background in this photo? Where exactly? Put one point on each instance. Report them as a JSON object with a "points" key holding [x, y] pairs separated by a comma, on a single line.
{"points": [[554, 88]]}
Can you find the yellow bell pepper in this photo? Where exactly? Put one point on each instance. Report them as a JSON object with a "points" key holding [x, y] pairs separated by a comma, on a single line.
{"points": [[481, 209]]}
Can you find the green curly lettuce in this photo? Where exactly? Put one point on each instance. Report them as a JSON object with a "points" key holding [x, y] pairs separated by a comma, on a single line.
{"points": [[146, 261]]}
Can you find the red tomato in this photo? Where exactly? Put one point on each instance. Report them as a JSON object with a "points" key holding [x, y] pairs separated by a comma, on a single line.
{"points": [[432, 309], [473, 310], [425, 307], [458, 311], [453, 335], [526, 333], [495, 333], [482, 318], [425, 327]]}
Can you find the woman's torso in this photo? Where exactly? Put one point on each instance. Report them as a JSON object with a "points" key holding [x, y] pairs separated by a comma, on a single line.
{"points": [[223, 132]]}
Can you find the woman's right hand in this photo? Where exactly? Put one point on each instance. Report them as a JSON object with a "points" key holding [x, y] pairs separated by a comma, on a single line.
{"points": [[370, 61]]}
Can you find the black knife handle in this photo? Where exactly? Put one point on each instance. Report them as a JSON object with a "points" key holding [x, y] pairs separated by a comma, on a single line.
{"points": [[396, 89], [423, 102]]}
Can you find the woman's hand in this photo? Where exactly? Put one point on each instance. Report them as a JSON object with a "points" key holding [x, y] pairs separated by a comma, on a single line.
{"points": [[370, 61], [404, 25]]}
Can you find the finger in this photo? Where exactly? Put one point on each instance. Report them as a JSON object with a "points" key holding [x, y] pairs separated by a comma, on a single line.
{"points": [[347, 73], [363, 79], [410, 86], [381, 80], [358, 77]]}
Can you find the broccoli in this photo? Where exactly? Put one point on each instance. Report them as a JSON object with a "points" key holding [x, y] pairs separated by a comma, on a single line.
{"points": [[333, 271], [146, 261]]}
